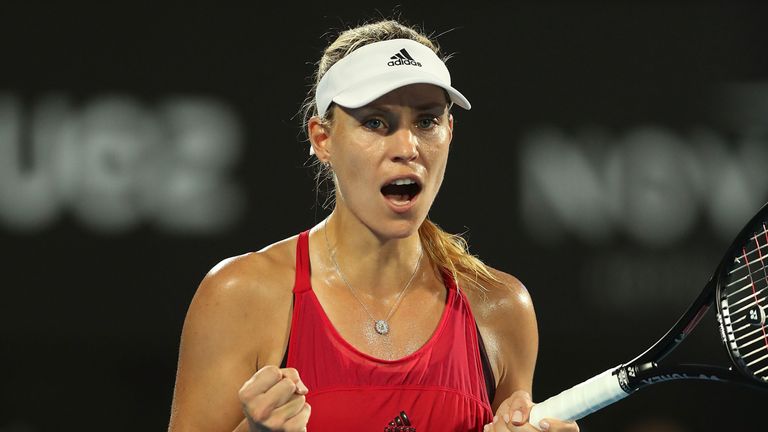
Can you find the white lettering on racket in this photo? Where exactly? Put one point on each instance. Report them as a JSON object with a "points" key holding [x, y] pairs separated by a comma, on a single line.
{"points": [[677, 376]]}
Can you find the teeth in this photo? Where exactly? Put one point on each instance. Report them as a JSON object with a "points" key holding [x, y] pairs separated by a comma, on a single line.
{"points": [[399, 182]]}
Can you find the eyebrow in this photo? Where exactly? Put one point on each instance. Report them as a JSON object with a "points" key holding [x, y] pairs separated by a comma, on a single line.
{"points": [[433, 105], [424, 107]]}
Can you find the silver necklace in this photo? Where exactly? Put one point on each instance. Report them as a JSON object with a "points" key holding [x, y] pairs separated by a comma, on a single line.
{"points": [[381, 326]]}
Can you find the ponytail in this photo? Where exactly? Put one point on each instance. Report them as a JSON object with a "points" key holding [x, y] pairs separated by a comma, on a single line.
{"points": [[450, 252]]}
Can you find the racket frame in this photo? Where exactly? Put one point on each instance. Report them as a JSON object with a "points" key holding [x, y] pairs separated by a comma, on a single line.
{"points": [[645, 369]]}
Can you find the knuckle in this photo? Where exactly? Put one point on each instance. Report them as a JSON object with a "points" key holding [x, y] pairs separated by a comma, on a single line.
{"points": [[280, 418], [245, 390], [242, 394], [521, 394], [245, 394], [259, 409], [252, 413], [288, 384], [299, 422], [270, 370], [290, 371], [505, 405]]}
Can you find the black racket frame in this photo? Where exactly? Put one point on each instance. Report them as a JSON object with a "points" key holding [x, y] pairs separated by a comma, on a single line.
{"points": [[646, 369]]}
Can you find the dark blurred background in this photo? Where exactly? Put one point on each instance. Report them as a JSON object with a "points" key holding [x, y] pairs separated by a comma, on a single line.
{"points": [[612, 151]]}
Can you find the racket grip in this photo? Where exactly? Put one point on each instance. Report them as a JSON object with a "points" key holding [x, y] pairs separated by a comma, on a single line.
{"points": [[580, 400]]}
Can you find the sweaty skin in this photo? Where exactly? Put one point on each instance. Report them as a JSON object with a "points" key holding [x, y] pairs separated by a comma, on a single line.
{"points": [[237, 326], [239, 321]]}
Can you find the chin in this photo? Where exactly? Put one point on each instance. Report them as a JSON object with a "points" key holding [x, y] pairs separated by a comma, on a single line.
{"points": [[400, 228]]}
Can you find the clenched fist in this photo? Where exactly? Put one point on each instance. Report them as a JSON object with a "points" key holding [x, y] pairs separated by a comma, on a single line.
{"points": [[273, 400]]}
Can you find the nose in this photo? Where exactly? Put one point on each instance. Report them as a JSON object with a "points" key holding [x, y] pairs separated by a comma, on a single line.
{"points": [[404, 146]]}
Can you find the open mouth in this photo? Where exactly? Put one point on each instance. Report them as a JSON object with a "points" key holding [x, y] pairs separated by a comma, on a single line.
{"points": [[401, 191]]}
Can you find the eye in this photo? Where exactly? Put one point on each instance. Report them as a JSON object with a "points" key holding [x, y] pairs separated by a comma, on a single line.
{"points": [[427, 122], [373, 123]]}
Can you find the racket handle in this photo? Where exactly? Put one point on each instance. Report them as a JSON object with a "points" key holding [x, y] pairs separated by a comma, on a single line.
{"points": [[580, 400]]}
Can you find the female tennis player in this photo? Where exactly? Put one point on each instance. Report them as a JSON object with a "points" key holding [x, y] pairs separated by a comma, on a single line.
{"points": [[375, 319]]}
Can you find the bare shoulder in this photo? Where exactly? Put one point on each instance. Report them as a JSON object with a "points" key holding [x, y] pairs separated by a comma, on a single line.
{"points": [[253, 274], [243, 295], [507, 299]]}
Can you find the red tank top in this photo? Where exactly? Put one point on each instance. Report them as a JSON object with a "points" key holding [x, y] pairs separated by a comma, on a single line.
{"points": [[440, 387]]}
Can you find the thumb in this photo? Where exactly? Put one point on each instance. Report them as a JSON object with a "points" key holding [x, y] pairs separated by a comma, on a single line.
{"points": [[519, 408]]}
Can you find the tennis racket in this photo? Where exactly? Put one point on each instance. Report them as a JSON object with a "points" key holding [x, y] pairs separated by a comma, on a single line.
{"points": [[738, 291]]}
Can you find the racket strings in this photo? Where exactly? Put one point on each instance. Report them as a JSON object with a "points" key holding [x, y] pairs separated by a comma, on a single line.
{"points": [[744, 304], [758, 251], [746, 335], [757, 296]]}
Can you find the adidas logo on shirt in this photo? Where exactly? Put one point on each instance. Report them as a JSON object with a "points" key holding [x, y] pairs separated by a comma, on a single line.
{"points": [[403, 58], [401, 423]]}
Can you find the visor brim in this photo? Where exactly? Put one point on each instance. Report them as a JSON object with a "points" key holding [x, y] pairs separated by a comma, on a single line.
{"points": [[368, 91]]}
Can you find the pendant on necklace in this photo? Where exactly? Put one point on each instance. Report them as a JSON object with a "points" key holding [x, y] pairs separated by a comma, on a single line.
{"points": [[382, 327]]}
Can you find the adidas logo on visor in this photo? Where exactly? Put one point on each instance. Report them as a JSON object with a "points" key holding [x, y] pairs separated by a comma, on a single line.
{"points": [[403, 58]]}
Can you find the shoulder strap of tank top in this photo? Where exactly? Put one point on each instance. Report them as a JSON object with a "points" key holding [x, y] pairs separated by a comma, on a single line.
{"points": [[302, 281]]}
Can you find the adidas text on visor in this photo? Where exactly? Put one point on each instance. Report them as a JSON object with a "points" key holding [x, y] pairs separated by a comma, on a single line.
{"points": [[373, 70]]}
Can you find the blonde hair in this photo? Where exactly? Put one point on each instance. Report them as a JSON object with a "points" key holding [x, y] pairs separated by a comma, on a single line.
{"points": [[447, 252]]}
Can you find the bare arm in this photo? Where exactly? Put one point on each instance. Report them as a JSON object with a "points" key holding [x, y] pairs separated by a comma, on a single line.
{"points": [[507, 322], [224, 341], [510, 322]]}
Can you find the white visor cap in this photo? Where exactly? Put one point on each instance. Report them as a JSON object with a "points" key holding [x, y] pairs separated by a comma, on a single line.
{"points": [[373, 70]]}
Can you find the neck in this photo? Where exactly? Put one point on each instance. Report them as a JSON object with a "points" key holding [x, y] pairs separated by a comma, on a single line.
{"points": [[373, 264]]}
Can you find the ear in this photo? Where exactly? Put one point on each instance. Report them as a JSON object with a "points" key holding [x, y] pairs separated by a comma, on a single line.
{"points": [[450, 125], [319, 138]]}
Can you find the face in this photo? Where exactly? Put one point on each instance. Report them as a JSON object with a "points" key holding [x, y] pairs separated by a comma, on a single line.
{"points": [[388, 157]]}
